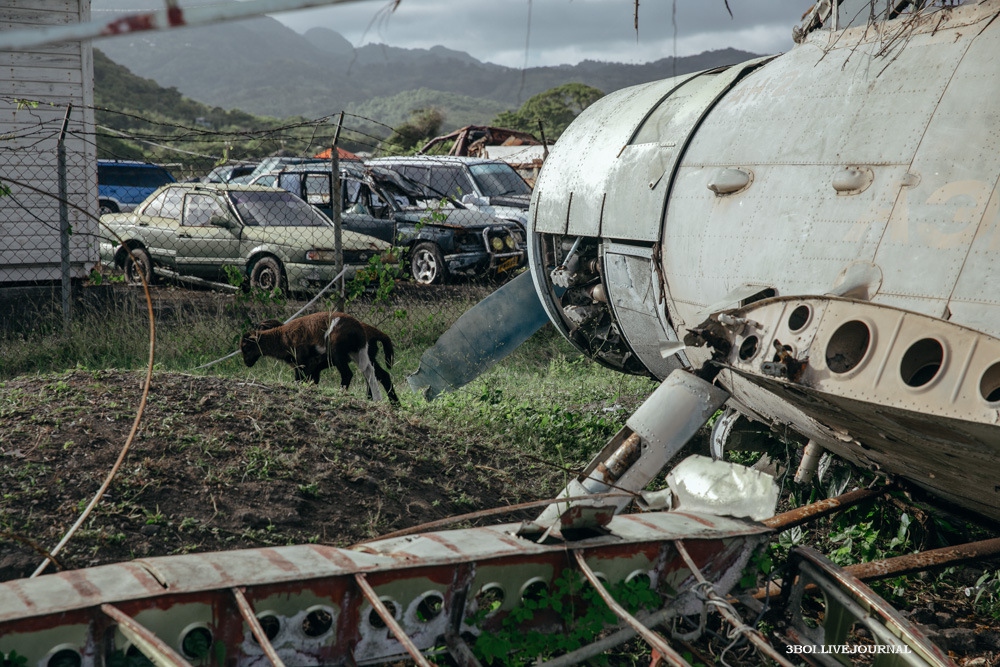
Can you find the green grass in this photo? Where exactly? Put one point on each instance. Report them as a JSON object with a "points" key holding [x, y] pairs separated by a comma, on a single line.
{"points": [[545, 396]]}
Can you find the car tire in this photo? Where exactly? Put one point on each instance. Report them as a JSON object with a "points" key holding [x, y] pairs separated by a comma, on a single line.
{"points": [[107, 207], [140, 266], [427, 264], [267, 274]]}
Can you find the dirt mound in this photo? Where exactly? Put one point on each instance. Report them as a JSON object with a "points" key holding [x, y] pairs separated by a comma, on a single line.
{"points": [[223, 464]]}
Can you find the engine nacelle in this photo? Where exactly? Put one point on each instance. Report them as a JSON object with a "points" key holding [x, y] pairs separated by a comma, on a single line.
{"points": [[598, 209]]}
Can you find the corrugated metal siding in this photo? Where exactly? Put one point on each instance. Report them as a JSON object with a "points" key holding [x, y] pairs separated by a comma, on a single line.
{"points": [[36, 86]]}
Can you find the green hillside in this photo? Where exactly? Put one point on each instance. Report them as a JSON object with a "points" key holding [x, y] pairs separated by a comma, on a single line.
{"points": [[458, 110], [138, 119]]}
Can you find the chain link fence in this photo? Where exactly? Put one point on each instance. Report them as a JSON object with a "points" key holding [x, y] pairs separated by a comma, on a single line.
{"points": [[238, 224]]}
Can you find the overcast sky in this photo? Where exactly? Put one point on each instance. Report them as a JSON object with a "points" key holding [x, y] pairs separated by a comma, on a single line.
{"points": [[520, 33]]}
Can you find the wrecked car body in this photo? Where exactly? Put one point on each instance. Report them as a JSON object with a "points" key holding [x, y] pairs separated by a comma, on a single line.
{"points": [[440, 238]]}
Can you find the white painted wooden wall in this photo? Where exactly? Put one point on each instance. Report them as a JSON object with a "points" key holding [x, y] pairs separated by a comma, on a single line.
{"points": [[36, 86]]}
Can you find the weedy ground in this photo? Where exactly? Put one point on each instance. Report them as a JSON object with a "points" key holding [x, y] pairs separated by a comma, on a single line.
{"points": [[228, 457]]}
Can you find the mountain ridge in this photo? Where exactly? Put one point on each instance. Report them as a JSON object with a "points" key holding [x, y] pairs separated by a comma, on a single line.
{"points": [[263, 67]]}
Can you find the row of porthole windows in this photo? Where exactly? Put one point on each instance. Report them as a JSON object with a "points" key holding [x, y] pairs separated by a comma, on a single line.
{"points": [[851, 342], [196, 639], [195, 642]]}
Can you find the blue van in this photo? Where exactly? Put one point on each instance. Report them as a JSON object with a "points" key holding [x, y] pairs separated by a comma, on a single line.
{"points": [[124, 184]]}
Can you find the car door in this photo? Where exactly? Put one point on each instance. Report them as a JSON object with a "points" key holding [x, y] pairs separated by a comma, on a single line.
{"points": [[208, 237], [155, 225], [363, 211]]}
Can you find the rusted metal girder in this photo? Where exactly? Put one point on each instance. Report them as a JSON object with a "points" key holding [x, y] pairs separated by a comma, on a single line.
{"points": [[807, 513], [724, 608], [389, 619], [649, 636], [925, 560], [907, 564], [149, 644], [246, 611], [848, 603]]}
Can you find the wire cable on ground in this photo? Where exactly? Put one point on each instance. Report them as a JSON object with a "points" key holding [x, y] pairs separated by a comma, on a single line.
{"points": [[128, 442]]}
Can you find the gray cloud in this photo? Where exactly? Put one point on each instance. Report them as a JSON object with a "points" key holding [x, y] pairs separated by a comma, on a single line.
{"points": [[562, 31]]}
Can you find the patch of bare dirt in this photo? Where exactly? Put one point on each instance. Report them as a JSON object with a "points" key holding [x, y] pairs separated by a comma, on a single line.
{"points": [[223, 464], [220, 464]]}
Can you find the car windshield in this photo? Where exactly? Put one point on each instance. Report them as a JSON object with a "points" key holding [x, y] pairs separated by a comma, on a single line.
{"points": [[275, 209], [399, 189], [495, 179]]}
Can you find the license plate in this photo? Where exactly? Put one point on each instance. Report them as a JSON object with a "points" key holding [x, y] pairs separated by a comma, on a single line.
{"points": [[507, 264]]}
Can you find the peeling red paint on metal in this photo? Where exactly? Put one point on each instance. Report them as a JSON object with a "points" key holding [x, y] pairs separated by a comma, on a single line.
{"points": [[335, 556], [143, 22], [135, 23], [175, 16], [436, 537], [517, 543], [634, 518], [80, 581], [23, 597], [279, 561], [703, 521], [265, 572], [222, 572]]}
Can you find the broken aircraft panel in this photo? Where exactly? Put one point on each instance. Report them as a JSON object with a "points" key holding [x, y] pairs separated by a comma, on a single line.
{"points": [[862, 165], [311, 606]]}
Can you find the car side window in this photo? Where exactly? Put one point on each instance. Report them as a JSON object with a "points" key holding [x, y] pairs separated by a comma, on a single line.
{"points": [[351, 190], [451, 181], [199, 210], [420, 175], [167, 204], [318, 189]]}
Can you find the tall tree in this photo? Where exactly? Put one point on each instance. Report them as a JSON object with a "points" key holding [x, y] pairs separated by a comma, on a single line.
{"points": [[423, 125], [556, 108]]}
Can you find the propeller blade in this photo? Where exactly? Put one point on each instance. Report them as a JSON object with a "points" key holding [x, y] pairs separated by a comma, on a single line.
{"points": [[484, 335]]}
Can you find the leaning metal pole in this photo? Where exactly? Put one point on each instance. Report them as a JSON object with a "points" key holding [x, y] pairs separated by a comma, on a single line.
{"points": [[172, 16], [64, 229]]}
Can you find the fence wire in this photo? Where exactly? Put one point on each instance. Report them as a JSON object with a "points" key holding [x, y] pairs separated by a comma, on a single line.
{"points": [[234, 223]]}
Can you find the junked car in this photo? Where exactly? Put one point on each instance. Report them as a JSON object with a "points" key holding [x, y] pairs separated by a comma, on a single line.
{"points": [[123, 184], [226, 173], [491, 186], [198, 229], [440, 238]]}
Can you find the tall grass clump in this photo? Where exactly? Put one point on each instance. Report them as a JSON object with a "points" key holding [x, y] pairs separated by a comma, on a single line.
{"points": [[548, 398]]}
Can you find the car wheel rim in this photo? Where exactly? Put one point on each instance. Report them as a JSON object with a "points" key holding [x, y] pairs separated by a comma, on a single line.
{"points": [[266, 280], [135, 269], [425, 267]]}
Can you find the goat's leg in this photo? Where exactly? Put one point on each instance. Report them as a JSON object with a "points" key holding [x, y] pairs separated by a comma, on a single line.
{"points": [[365, 366], [342, 361], [386, 380]]}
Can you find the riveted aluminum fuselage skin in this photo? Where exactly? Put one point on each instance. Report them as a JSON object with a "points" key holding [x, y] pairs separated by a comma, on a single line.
{"points": [[861, 165]]}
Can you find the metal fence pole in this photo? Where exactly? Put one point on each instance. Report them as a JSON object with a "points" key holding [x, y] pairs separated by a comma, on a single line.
{"points": [[64, 230], [336, 203]]}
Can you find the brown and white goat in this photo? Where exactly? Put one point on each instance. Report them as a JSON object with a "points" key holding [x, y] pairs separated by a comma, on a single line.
{"points": [[315, 342]]}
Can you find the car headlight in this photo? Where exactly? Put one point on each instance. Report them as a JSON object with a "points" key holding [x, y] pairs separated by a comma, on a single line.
{"points": [[497, 243], [509, 241], [321, 255]]}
